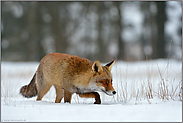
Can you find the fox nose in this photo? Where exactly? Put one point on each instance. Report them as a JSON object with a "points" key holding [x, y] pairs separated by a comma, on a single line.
{"points": [[114, 92]]}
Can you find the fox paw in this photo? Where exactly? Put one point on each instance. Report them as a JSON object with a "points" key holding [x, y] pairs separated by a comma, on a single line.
{"points": [[97, 102]]}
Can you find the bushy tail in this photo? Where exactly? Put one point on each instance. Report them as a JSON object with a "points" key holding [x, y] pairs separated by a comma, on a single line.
{"points": [[30, 90]]}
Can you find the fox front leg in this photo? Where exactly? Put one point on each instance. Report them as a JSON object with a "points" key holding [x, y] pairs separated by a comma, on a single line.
{"points": [[92, 95], [97, 98], [67, 96]]}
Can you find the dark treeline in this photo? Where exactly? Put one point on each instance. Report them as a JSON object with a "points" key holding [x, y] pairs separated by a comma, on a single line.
{"points": [[95, 30]]}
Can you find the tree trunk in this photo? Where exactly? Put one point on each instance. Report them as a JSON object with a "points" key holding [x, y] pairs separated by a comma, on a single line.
{"points": [[121, 50], [159, 45], [58, 26], [32, 47], [101, 45]]}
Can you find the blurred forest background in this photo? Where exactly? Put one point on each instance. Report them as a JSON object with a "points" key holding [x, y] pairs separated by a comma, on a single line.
{"points": [[95, 30]]}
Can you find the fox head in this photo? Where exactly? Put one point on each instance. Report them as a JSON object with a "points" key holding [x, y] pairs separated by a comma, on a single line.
{"points": [[102, 79]]}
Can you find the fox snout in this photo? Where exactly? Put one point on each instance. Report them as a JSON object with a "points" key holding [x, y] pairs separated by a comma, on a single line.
{"points": [[110, 93], [108, 88]]}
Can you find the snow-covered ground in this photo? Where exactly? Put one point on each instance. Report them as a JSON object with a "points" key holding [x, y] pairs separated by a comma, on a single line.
{"points": [[146, 91]]}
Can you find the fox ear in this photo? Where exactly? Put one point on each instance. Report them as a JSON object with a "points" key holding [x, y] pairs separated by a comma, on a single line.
{"points": [[110, 65], [96, 67]]}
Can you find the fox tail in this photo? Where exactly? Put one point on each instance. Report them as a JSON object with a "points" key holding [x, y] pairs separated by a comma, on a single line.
{"points": [[29, 90]]}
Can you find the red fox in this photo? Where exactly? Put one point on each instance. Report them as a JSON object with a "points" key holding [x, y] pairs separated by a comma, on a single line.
{"points": [[70, 74]]}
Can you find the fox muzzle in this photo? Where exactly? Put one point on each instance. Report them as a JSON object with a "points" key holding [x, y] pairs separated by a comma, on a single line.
{"points": [[110, 93]]}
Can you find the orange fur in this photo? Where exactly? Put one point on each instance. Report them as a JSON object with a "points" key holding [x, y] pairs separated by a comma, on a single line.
{"points": [[72, 74]]}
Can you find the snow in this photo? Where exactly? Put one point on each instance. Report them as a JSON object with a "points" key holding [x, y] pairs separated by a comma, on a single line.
{"points": [[47, 111], [130, 80]]}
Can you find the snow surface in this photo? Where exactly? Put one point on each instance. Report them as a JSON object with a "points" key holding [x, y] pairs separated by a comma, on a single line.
{"points": [[48, 111], [127, 76]]}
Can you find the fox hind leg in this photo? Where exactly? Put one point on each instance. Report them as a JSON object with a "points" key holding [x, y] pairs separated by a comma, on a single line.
{"points": [[92, 95], [59, 94], [42, 91]]}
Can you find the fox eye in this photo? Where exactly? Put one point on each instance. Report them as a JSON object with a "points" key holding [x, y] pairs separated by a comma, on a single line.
{"points": [[105, 82]]}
